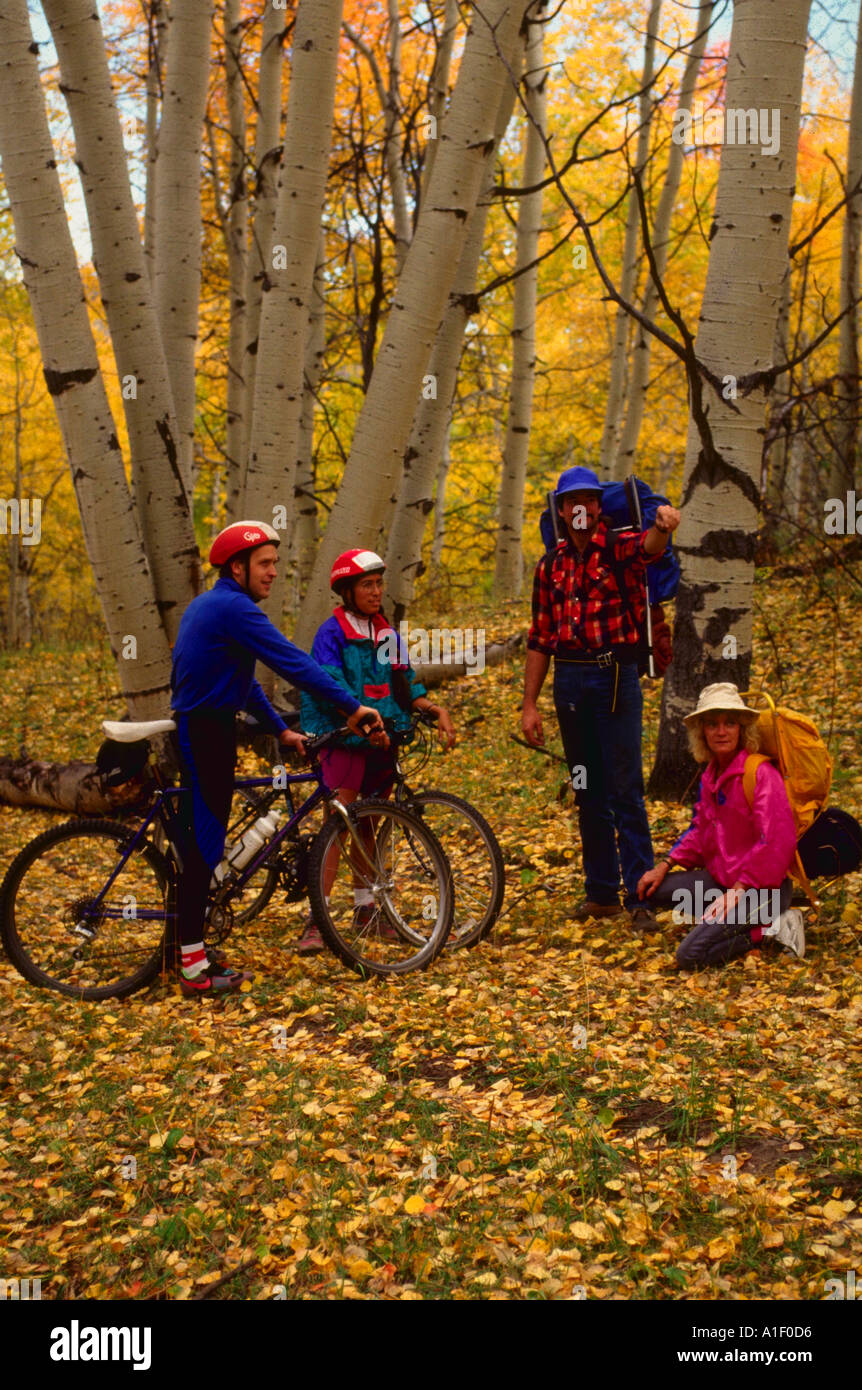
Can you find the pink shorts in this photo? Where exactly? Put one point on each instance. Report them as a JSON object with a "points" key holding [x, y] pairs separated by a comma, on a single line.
{"points": [[358, 770]]}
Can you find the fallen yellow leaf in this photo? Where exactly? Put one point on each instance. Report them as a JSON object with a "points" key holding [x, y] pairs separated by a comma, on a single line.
{"points": [[721, 1246], [834, 1211]]}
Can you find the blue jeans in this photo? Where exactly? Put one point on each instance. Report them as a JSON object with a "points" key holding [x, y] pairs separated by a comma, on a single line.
{"points": [[599, 713], [713, 943]]}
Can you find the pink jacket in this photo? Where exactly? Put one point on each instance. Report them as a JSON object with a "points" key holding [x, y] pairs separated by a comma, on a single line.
{"points": [[736, 844]]}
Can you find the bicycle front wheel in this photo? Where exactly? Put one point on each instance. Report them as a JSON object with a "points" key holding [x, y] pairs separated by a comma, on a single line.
{"points": [[67, 924], [380, 889], [475, 859]]}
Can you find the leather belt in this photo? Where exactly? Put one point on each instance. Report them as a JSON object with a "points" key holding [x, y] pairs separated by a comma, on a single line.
{"points": [[624, 655]]}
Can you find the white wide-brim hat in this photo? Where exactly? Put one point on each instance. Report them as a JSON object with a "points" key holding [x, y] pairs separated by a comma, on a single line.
{"points": [[723, 695]]}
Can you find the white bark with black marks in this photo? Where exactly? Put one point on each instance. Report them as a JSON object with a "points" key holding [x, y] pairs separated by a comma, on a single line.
{"points": [[236, 236], [847, 426], [617, 384], [164, 506], [638, 387], [374, 467], [429, 436], [267, 161], [291, 258], [508, 555], [53, 283], [177, 257], [736, 336]]}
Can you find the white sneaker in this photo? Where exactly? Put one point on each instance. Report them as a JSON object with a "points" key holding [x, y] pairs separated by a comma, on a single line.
{"points": [[789, 929]]}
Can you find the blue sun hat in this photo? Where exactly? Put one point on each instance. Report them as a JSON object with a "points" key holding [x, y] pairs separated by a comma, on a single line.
{"points": [[577, 480]]}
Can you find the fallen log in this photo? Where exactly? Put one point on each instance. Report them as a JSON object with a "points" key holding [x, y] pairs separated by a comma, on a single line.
{"points": [[74, 787], [437, 672]]}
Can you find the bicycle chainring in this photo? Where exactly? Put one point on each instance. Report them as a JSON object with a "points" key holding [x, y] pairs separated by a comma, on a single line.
{"points": [[219, 922], [292, 865]]}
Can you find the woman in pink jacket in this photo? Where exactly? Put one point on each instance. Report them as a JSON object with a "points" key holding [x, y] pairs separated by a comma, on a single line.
{"points": [[733, 859]]}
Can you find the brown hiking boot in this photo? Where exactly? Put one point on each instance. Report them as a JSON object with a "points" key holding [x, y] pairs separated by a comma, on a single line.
{"points": [[644, 919], [586, 908]]}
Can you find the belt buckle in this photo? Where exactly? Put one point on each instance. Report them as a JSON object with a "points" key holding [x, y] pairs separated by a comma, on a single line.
{"points": [[605, 659]]}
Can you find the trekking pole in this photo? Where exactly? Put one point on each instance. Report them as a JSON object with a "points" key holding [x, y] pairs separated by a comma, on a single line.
{"points": [[555, 517], [634, 501]]}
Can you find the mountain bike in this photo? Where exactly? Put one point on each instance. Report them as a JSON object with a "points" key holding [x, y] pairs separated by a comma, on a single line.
{"points": [[469, 843], [89, 907]]}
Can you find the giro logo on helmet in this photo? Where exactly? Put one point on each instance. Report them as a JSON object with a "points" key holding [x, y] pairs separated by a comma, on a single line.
{"points": [[239, 536]]}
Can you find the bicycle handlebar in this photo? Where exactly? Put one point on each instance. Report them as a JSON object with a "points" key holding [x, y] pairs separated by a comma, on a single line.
{"points": [[316, 745]]}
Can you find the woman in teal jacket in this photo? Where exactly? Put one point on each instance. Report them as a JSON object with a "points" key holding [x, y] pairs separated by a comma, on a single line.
{"points": [[354, 647]]}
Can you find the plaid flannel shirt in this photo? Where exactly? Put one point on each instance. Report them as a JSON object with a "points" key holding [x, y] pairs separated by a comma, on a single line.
{"points": [[576, 599]]}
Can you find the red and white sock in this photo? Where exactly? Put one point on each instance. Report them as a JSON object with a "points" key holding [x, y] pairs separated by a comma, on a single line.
{"points": [[194, 960]]}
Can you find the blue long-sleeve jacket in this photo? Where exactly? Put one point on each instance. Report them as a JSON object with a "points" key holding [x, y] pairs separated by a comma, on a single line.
{"points": [[222, 633]]}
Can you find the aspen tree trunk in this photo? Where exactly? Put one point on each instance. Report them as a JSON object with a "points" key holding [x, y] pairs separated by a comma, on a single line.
{"points": [[19, 626], [164, 507], [157, 43], [736, 335], [271, 473], [237, 236], [305, 529], [440, 500], [267, 158], [383, 429], [53, 283], [508, 555], [636, 396], [390, 104], [439, 89], [428, 436], [392, 141], [777, 457], [795, 487], [619, 352], [846, 464], [177, 259]]}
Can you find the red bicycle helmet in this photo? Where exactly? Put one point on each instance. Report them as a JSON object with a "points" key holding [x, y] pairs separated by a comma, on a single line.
{"points": [[239, 536], [353, 564]]}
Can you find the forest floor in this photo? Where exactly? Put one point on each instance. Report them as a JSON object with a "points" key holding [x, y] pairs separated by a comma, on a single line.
{"points": [[556, 1114]]}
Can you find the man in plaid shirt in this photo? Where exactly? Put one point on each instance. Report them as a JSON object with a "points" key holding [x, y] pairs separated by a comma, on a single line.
{"points": [[588, 602]]}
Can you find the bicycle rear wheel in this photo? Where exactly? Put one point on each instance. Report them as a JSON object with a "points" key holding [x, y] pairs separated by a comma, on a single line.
{"points": [[391, 861], [246, 806], [475, 859], [60, 883]]}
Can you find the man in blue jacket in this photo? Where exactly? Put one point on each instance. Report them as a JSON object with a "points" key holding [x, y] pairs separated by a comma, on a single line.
{"points": [[222, 634]]}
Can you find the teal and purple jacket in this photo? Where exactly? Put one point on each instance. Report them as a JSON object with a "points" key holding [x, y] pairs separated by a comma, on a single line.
{"points": [[355, 651]]}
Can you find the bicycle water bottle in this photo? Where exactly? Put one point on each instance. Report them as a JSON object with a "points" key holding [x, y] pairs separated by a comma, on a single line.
{"points": [[247, 846]]}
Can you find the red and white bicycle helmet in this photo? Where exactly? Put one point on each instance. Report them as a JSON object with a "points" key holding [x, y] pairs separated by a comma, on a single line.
{"points": [[239, 536], [353, 564]]}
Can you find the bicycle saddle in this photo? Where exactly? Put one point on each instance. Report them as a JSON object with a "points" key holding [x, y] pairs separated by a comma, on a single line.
{"points": [[127, 732]]}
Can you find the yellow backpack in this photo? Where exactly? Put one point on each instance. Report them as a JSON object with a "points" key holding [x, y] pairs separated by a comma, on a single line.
{"points": [[790, 740]]}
